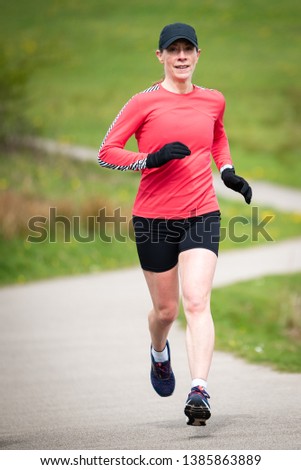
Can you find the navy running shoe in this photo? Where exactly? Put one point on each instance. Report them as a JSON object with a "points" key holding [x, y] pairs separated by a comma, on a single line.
{"points": [[197, 408], [162, 376]]}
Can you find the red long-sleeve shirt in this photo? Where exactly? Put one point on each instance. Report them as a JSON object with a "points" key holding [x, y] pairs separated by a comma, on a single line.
{"points": [[180, 188]]}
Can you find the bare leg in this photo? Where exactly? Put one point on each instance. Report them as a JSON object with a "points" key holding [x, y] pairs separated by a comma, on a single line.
{"points": [[164, 291], [197, 267]]}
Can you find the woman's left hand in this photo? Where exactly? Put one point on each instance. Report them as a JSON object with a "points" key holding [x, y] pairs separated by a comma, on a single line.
{"points": [[237, 183]]}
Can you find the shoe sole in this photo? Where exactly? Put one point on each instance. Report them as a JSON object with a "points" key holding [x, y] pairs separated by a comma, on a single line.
{"points": [[197, 415]]}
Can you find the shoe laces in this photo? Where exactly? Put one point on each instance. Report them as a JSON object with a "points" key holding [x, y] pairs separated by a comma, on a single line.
{"points": [[200, 391], [162, 369]]}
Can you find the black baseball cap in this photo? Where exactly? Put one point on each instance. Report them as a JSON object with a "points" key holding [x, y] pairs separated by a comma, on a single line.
{"points": [[172, 32]]}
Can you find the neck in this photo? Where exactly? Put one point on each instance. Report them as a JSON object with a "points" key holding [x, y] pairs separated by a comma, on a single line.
{"points": [[177, 87]]}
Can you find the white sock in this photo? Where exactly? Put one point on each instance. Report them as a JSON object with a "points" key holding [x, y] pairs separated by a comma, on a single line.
{"points": [[198, 382], [161, 356]]}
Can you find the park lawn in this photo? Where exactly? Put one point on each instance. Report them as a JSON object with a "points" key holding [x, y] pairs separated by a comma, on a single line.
{"points": [[90, 57], [260, 328], [23, 262]]}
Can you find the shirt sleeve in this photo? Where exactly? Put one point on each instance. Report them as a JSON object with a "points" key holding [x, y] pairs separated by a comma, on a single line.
{"points": [[112, 153], [220, 148]]}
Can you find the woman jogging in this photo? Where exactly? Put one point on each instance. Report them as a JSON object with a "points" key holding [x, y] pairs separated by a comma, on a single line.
{"points": [[176, 218]]}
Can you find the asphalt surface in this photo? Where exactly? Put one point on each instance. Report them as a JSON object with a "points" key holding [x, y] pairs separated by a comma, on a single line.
{"points": [[75, 369], [74, 359]]}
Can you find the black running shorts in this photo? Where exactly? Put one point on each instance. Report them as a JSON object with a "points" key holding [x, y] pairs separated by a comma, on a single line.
{"points": [[160, 241]]}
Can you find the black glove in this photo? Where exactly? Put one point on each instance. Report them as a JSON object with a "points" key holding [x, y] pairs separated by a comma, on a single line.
{"points": [[175, 150], [237, 183]]}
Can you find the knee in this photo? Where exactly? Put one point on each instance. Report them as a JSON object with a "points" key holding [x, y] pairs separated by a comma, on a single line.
{"points": [[195, 305], [167, 313]]}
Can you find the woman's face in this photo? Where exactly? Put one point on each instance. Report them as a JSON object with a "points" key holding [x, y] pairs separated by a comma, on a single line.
{"points": [[179, 60]]}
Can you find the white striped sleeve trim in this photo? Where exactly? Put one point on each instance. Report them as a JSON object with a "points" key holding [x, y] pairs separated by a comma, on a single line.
{"points": [[136, 166]]}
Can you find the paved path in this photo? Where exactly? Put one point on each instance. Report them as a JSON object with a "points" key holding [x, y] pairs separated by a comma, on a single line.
{"points": [[75, 369]]}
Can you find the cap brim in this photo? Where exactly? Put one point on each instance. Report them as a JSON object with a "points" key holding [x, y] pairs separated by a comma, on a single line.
{"points": [[175, 38]]}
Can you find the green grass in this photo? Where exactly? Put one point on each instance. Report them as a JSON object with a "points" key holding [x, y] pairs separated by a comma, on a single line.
{"points": [[260, 328], [23, 262], [91, 57], [56, 178]]}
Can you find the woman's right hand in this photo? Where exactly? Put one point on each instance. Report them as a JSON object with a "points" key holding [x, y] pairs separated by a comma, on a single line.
{"points": [[172, 151]]}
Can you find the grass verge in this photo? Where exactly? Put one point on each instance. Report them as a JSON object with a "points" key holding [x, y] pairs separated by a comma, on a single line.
{"points": [[260, 328]]}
